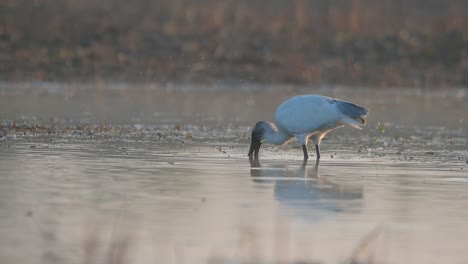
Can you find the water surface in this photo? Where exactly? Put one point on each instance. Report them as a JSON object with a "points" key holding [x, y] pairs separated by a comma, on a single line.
{"points": [[152, 175]]}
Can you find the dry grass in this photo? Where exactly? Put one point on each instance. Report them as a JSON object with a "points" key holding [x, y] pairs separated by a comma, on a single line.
{"points": [[415, 43]]}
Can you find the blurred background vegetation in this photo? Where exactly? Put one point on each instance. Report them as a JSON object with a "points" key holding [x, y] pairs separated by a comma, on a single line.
{"points": [[386, 43]]}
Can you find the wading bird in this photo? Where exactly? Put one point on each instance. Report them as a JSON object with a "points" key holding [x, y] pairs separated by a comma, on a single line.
{"points": [[306, 116]]}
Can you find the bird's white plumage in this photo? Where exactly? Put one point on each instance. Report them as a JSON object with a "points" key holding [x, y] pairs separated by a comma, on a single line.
{"points": [[306, 117], [307, 113]]}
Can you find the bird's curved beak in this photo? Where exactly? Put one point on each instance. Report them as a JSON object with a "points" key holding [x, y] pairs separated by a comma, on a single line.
{"points": [[254, 147]]}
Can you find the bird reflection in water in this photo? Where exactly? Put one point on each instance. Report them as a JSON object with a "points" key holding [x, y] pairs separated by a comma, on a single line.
{"points": [[306, 192]]}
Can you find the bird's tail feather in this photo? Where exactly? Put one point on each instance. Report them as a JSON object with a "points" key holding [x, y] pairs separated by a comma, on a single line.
{"points": [[351, 122], [351, 110], [360, 120]]}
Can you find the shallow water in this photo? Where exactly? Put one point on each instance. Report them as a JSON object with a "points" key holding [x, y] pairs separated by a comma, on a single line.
{"points": [[169, 182]]}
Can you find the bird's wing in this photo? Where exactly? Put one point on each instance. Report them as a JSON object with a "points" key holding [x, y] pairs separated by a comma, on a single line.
{"points": [[306, 113]]}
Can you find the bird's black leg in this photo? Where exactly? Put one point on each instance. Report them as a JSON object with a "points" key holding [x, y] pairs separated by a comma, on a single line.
{"points": [[317, 150], [304, 149]]}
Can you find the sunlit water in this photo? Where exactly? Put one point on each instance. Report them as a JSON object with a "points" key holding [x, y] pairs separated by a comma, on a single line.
{"points": [[396, 192]]}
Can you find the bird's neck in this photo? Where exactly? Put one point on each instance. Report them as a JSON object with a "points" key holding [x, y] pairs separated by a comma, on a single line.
{"points": [[275, 134]]}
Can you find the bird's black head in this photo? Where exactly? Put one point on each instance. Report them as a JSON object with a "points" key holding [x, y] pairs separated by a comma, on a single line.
{"points": [[256, 138]]}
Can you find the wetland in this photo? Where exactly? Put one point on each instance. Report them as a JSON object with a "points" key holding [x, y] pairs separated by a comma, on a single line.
{"points": [[149, 173]]}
